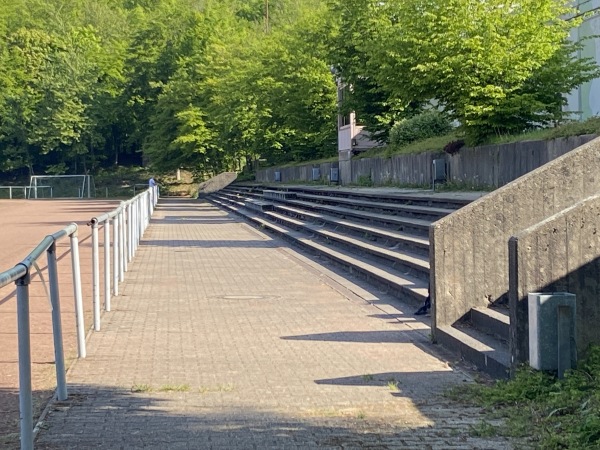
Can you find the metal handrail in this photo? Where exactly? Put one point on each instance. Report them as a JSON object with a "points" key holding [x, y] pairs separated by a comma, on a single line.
{"points": [[21, 276], [130, 219], [133, 214]]}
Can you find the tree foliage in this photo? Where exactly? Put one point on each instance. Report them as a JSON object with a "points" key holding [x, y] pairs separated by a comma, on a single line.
{"points": [[211, 85], [494, 65]]}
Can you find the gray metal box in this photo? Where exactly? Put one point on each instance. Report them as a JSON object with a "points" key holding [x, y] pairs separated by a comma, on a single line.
{"points": [[544, 324], [316, 174]]}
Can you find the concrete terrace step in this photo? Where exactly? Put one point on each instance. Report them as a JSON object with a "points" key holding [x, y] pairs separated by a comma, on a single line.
{"points": [[410, 225], [420, 210], [418, 265], [407, 287], [408, 241], [449, 200], [491, 321], [418, 226], [488, 354]]}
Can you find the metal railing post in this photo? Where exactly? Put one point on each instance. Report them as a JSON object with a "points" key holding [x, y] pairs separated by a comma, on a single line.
{"points": [[130, 232], [25, 395], [136, 226], [59, 355], [107, 265], [125, 239], [116, 255], [121, 245], [140, 221], [81, 351], [95, 275]]}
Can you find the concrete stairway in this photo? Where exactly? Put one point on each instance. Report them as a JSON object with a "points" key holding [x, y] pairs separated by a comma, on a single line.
{"points": [[381, 236]]}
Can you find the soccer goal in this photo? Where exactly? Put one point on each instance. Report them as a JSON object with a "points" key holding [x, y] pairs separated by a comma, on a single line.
{"points": [[61, 186]]}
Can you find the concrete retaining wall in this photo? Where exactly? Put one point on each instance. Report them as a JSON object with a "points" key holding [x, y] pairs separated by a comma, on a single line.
{"points": [[497, 165], [295, 173], [469, 248], [562, 253], [492, 165]]}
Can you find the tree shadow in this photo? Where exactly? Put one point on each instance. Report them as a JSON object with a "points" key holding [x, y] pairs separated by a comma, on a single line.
{"points": [[108, 417], [9, 415]]}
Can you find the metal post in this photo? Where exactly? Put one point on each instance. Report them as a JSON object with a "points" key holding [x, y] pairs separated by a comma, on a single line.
{"points": [[81, 351], [125, 239], [129, 233], [121, 246], [107, 265], [95, 275], [25, 395], [136, 227], [116, 255], [59, 355]]}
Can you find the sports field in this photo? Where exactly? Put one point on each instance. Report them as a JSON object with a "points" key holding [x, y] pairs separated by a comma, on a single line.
{"points": [[23, 224]]}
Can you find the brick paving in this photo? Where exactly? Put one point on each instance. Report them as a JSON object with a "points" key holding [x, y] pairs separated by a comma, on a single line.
{"points": [[225, 338]]}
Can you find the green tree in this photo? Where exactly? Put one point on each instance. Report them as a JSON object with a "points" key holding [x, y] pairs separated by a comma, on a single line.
{"points": [[473, 57]]}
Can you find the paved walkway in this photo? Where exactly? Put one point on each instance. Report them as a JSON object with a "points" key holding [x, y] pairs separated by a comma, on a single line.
{"points": [[225, 338]]}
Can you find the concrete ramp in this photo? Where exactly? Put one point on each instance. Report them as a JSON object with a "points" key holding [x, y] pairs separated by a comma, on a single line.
{"points": [[216, 183]]}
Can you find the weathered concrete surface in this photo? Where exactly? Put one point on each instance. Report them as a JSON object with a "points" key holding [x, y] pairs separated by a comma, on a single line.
{"points": [[561, 253], [491, 165], [216, 183], [469, 248], [224, 338]]}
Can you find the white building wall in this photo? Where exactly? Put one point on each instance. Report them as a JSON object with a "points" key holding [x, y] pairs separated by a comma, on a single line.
{"points": [[585, 100]]}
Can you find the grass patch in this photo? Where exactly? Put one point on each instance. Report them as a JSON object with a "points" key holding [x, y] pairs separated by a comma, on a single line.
{"points": [[367, 377], [141, 388], [554, 414], [393, 385], [174, 388]]}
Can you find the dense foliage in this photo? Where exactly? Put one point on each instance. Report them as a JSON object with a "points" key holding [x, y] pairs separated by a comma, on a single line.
{"points": [[216, 84]]}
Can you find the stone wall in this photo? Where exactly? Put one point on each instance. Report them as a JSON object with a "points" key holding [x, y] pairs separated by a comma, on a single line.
{"points": [[469, 248], [561, 253]]}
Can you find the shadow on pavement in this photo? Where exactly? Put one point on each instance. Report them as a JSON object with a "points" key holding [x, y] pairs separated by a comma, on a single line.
{"points": [[108, 418]]}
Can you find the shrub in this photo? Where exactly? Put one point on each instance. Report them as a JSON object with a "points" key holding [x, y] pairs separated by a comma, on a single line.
{"points": [[453, 147], [422, 126]]}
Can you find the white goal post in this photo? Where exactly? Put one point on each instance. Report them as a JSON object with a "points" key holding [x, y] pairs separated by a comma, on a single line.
{"points": [[61, 186]]}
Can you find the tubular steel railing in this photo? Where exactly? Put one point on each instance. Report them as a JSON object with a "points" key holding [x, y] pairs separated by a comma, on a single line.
{"points": [[21, 275], [130, 220]]}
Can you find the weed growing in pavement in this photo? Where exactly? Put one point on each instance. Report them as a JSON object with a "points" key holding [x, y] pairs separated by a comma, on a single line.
{"points": [[392, 385], [553, 413], [141, 388], [174, 388], [367, 377], [483, 429]]}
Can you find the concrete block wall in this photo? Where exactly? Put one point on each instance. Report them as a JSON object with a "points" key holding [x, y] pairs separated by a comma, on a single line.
{"points": [[469, 248], [561, 253]]}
